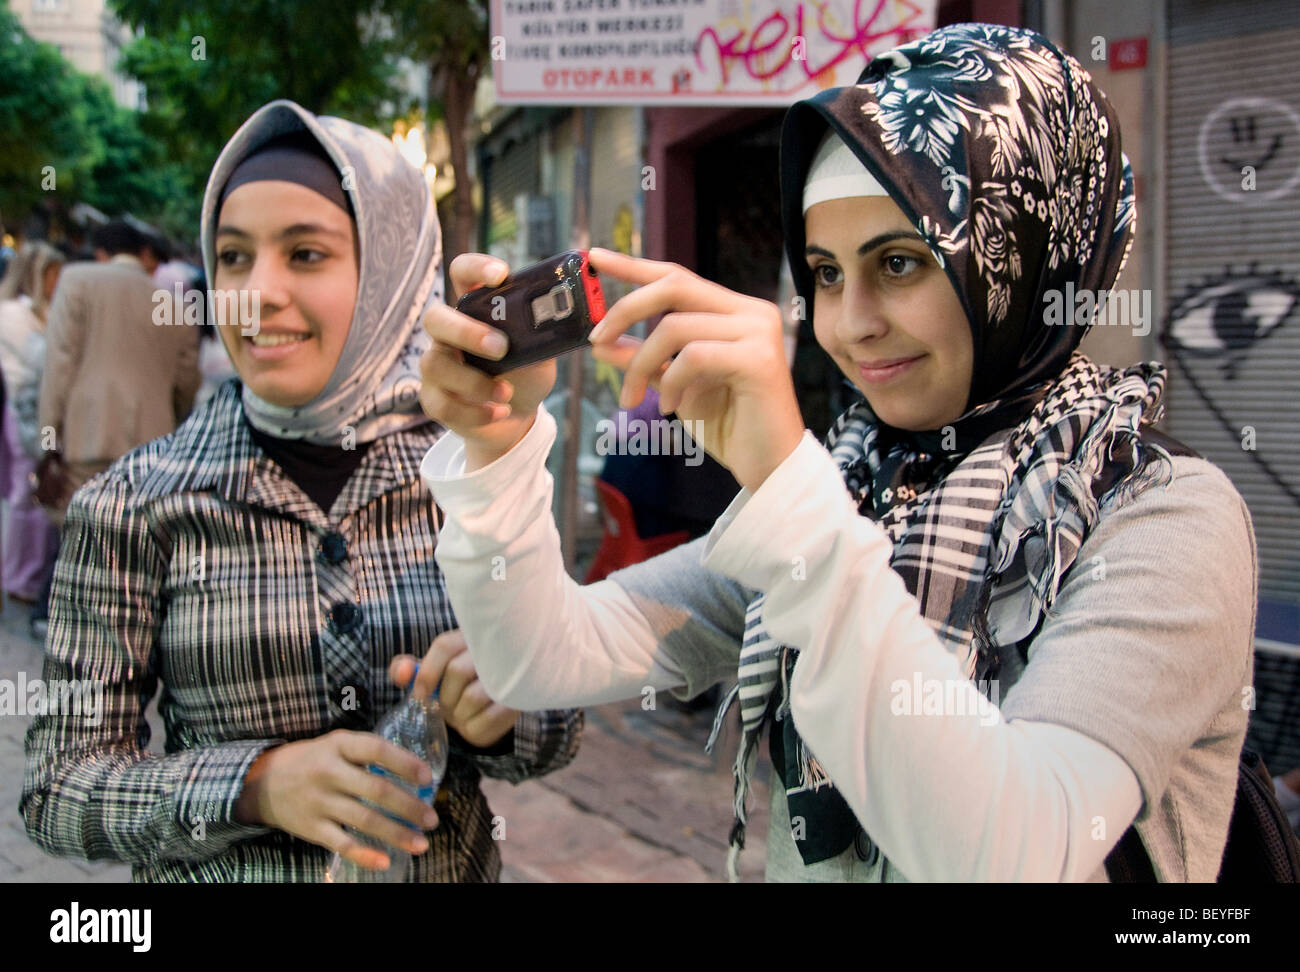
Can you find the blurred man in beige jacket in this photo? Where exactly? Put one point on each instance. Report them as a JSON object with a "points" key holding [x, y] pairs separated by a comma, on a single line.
{"points": [[113, 378]]}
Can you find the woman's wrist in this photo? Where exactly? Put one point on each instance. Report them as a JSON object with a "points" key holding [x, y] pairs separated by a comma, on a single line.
{"points": [[512, 430], [248, 807]]}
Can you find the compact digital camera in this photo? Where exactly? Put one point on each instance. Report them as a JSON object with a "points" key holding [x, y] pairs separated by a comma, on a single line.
{"points": [[545, 310]]}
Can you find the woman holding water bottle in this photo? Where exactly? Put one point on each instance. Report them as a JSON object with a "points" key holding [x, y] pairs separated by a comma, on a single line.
{"points": [[268, 561]]}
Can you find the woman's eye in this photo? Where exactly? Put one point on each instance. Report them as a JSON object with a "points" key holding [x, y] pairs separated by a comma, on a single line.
{"points": [[900, 265], [826, 275], [305, 255], [229, 258]]}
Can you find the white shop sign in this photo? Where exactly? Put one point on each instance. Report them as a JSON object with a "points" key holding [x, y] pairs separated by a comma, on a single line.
{"points": [[755, 52]]}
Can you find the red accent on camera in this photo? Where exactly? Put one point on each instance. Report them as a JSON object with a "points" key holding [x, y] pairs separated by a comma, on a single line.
{"points": [[591, 286]]}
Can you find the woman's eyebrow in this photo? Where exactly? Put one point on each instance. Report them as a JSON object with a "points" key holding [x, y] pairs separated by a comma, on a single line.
{"points": [[867, 247], [309, 229], [297, 229]]}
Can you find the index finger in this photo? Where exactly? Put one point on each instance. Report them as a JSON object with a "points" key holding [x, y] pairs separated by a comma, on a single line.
{"points": [[366, 749], [666, 287], [444, 648], [630, 269], [469, 271], [450, 328]]}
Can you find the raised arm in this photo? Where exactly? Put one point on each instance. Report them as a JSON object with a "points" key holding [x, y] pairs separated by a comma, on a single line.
{"points": [[538, 639]]}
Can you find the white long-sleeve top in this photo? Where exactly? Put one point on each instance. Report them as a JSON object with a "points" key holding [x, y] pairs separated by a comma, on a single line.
{"points": [[966, 794]]}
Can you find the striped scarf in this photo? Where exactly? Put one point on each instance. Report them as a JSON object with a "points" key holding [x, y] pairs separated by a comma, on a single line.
{"points": [[1044, 477]]}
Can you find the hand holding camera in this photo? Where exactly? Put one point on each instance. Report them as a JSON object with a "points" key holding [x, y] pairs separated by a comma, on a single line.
{"points": [[716, 357], [491, 413]]}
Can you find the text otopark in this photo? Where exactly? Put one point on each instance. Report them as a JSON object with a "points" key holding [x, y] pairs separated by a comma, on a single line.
{"points": [[591, 79]]}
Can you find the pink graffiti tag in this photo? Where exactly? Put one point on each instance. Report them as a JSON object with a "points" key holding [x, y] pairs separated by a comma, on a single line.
{"points": [[749, 50]]}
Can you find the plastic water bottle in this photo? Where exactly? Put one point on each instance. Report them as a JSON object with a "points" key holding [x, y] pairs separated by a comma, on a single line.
{"points": [[415, 725]]}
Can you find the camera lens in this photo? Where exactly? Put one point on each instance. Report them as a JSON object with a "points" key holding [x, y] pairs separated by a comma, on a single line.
{"points": [[563, 301]]}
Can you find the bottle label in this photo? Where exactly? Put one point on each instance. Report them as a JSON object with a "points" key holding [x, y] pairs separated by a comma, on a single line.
{"points": [[425, 793]]}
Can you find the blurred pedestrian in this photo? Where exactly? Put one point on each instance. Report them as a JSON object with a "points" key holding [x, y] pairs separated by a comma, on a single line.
{"points": [[30, 538], [114, 379], [271, 559], [166, 266]]}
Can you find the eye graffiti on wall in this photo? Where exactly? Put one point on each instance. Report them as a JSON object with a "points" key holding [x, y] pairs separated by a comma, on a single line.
{"points": [[1222, 322], [1227, 316]]}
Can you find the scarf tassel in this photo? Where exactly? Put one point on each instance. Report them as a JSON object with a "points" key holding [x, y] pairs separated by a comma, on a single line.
{"points": [[1148, 468], [740, 782]]}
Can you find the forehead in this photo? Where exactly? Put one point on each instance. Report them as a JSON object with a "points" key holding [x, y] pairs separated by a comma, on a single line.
{"points": [[854, 216], [269, 205]]}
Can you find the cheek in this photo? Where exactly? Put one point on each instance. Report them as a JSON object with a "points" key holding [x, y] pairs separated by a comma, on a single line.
{"points": [[332, 306], [824, 327]]}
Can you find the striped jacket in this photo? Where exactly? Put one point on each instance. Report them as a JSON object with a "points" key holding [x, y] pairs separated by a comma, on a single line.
{"points": [[194, 562]]}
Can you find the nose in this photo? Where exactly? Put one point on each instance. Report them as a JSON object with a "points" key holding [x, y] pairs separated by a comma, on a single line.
{"points": [[861, 317], [268, 280]]}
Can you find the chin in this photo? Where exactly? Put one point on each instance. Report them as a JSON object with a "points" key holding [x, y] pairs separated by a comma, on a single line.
{"points": [[283, 394], [899, 415]]}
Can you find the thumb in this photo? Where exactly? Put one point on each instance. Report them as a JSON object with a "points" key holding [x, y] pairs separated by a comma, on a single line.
{"points": [[402, 669]]}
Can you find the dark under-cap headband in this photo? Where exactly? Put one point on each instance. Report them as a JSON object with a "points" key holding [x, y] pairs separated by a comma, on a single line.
{"points": [[291, 157]]}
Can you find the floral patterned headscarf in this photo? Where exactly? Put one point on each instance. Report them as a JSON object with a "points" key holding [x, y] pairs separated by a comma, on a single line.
{"points": [[1006, 158]]}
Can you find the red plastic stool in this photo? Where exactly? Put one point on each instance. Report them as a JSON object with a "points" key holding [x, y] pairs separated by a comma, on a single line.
{"points": [[621, 547]]}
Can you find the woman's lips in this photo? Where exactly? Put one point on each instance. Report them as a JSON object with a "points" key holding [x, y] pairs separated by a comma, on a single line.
{"points": [[274, 352], [880, 373]]}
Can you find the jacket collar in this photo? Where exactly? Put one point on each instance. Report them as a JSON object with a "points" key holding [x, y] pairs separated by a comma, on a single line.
{"points": [[127, 260], [213, 451]]}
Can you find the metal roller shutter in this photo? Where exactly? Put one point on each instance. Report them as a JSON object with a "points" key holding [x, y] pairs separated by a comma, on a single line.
{"points": [[515, 170], [1232, 334]]}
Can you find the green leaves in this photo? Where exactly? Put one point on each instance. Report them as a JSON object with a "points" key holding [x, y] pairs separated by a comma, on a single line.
{"points": [[207, 65], [54, 117]]}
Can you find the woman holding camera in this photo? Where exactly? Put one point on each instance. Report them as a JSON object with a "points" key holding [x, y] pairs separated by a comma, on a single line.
{"points": [[993, 620], [268, 560]]}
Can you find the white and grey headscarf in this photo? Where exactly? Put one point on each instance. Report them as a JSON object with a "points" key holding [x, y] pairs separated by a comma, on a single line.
{"points": [[374, 389]]}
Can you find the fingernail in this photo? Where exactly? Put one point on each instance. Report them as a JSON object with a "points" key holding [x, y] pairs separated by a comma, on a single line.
{"points": [[420, 845], [495, 344], [496, 269], [596, 332], [502, 391], [430, 820]]}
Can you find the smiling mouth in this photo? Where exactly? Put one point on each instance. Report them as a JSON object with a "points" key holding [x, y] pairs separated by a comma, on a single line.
{"points": [[275, 340], [885, 363], [884, 371]]}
